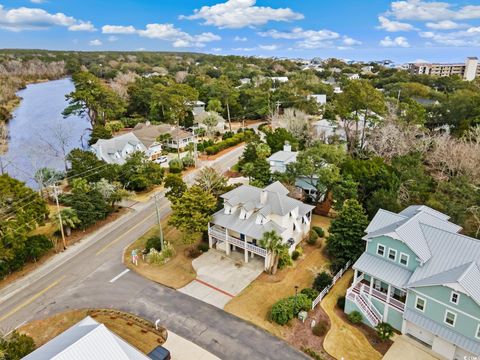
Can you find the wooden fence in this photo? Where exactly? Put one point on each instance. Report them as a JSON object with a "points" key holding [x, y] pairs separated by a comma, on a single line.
{"points": [[327, 289]]}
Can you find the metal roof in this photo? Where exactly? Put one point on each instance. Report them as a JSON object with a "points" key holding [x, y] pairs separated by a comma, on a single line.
{"points": [[106, 149], [382, 269], [283, 156], [87, 339], [442, 331]]}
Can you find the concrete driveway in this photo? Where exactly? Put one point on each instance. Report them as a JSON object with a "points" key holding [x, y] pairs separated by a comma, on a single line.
{"points": [[408, 349], [221, 277]]}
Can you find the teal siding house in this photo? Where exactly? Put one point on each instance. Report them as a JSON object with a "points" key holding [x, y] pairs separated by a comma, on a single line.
{"points": [[422, 277]]}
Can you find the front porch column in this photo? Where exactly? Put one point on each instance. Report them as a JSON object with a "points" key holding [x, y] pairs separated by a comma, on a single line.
{"points": [[372, 280], [385, 311], [227, 244], [355, 275], [246, 251], [210, 240]]}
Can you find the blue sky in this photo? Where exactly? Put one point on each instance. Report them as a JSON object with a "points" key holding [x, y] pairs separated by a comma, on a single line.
{"points": [[403, 30]]}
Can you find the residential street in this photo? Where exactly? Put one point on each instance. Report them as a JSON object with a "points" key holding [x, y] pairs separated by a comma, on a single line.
{"points": [[91, 274]]}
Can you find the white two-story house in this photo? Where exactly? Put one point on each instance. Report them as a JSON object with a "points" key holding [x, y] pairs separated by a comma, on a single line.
{"points": [[117, 149], [249, 212], [278, 161]]}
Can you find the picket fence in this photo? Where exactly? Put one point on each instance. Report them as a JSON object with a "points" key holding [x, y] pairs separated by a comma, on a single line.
{"points": [[327, 289]]}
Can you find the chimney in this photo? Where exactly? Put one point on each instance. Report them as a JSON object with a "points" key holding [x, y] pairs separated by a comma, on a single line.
{"points": [[287, 147], [263, 197], [147, 123]]}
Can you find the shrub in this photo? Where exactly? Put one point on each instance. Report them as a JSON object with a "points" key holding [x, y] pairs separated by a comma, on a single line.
{"points": [[154, 243], [114, 126], [321, 328], [295, 255], [311, 293], [37, 246], [188, 161], [227, 135], [286, 309], [193, 252], [203, 247], [284, 259], [224, 144], [175, 166], [355, 317], [341, 302], [131, 122], [320, 232], [312, 353], [322, 280], [312, 238], [161, 257], [384, 331]]}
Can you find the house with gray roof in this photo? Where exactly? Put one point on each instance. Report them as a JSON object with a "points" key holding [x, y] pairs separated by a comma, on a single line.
{"points": [[117, 149], [87, 339], [249, 212], [420, 275], [279, 160]]}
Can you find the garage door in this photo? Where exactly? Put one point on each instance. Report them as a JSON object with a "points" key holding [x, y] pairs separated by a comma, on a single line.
{"points": [[461, 354], [420, 334]]}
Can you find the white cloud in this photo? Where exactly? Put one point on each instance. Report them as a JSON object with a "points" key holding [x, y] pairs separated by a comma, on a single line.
{"points": [[23, 18], [38, 1], [82, 26], [95, 42], [445, 25], [393, 26], [464, 38], [419, 10], [268, 47], [217, 49], [240, 38], [166, 32], [112, 38], [399, 41], [178, 37], [348, 41], [244, 49], [118, 29], [235, 14], [312, 39]]}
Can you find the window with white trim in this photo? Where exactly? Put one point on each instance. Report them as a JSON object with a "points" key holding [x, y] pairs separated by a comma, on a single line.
{"points": [[392, 254], [450, 318], [477, 335], [420, 304], [404, 259], [454, 297], [380, 250]]}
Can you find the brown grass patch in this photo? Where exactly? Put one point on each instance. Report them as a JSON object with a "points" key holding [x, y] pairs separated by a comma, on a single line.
{"points": [[177, 272], [134, 330]]}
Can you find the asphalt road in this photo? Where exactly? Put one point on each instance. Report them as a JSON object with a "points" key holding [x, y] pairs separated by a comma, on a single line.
{"points": [[89, 275]]}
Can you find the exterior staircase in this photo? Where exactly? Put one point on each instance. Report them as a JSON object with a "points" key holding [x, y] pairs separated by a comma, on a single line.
{"points": [[368, 310]]}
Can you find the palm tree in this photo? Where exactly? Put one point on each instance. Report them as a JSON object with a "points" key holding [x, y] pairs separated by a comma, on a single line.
{"points": [[272, 242], [69, 220]]}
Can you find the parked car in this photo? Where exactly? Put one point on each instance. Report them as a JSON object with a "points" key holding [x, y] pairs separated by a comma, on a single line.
{"points": [[160, 353], [161, 159]]}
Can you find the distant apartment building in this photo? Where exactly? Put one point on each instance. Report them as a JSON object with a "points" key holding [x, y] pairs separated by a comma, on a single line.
{"points": [[468, 70]]}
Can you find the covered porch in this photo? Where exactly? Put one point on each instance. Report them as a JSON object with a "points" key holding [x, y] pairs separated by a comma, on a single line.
{"points": [[227, 240]]}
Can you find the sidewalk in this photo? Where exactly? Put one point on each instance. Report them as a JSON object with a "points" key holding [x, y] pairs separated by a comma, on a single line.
{"points": [[182, 349]]}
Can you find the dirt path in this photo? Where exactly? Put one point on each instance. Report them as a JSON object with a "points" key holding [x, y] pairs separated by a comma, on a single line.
{"points": [[343, 340]]}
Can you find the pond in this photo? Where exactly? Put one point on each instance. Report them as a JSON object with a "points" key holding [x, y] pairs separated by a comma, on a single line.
{"points": [[39, 136]]}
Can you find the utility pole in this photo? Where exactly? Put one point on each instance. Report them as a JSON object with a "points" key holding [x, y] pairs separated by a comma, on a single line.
{"points": [[55, 194], [160, 231]]}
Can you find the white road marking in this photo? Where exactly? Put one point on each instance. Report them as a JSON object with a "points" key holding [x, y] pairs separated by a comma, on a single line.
{"points": [[119, 275]]}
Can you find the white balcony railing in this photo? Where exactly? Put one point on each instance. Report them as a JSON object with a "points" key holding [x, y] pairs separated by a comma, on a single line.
{"points": [[222, 236]]}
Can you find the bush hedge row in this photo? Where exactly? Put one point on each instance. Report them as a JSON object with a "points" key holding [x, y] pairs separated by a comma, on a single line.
{"points": [[225, 144]]}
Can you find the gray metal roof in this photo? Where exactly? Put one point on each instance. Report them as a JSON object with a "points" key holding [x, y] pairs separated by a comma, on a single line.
{"points": [[107, 149], [284, 156], [442, 331], [406, 227], [87, 339], [455, 259], [383, 269]]}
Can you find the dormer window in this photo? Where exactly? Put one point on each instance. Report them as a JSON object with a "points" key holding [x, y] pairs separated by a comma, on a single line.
{"points": [[454, 297], [380, 250], [392, 254]]}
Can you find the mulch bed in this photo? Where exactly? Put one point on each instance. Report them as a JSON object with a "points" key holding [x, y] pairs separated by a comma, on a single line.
{"points": [[302, 337], [370, 333]]}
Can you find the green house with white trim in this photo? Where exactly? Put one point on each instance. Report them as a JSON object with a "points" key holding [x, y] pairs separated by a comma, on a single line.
{"points": [[422, 277]]}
